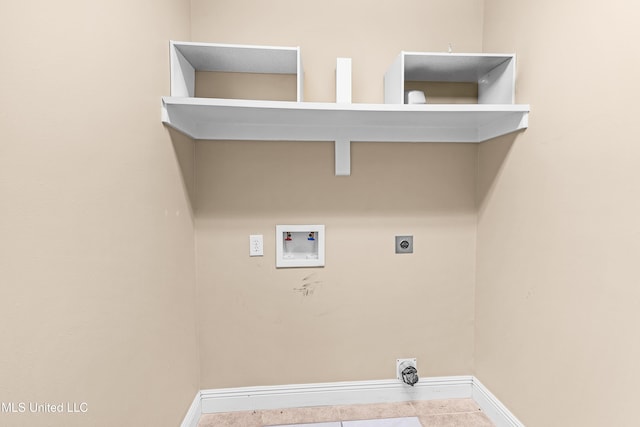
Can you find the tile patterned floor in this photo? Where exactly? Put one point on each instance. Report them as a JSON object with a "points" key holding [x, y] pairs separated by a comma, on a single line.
{"points": [[380, 422], [384, 422], [430, 413]]}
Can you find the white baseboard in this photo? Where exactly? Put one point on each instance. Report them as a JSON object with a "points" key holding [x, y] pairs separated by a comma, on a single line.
{"points": [[348, 393], [194, 412], [492, 407], [338, 393]]}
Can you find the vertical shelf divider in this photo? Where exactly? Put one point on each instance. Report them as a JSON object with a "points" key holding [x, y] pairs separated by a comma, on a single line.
{"points": [[343, 96]]}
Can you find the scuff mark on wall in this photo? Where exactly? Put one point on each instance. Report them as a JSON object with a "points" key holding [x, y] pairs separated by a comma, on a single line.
{"points": [[309, 285]]}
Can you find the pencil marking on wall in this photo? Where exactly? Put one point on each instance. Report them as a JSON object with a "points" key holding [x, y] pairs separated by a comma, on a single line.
{"points": [[308, 286]]}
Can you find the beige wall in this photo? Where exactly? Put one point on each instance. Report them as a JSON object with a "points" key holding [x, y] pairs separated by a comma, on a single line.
{"points": [[372, 33], [96, 246], [558, 231], [370, 306]]}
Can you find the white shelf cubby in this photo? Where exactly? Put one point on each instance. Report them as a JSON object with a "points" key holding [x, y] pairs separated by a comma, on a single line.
{"points": [[188, 57], [493, 73]]}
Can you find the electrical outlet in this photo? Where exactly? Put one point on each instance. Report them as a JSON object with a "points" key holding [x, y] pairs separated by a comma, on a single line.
{"points": [[401, 364], [256, 245], [404, 244]]}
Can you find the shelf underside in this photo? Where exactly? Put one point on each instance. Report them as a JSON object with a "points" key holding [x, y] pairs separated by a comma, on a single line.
{"points": [[233, 119]]}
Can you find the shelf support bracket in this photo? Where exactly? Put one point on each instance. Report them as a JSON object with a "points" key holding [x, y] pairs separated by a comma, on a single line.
{"points": [[343, 156]]}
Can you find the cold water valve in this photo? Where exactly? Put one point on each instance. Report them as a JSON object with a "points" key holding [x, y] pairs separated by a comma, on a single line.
{"points": [[407, 371]]}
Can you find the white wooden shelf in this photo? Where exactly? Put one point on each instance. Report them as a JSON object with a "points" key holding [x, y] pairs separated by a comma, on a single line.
{"points": [[343, 122], [234, 119]]}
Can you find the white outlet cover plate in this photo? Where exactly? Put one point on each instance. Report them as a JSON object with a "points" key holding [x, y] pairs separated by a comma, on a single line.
{"points": [[256, 245]]}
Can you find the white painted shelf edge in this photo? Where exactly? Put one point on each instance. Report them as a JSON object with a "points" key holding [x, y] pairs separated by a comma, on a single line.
{"points": [[236, 119]]}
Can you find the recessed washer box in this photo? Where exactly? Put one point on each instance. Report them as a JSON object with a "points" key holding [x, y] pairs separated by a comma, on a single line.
{"points": [[299, 246]]}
